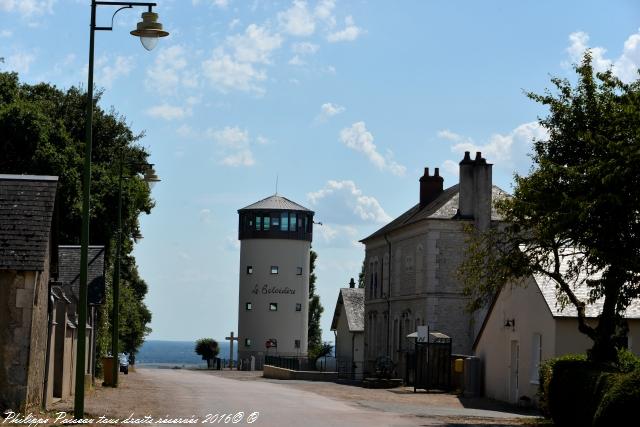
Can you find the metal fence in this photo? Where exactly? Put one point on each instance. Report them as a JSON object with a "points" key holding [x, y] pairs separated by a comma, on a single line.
{"points": [[429, 366], [290, 362]]}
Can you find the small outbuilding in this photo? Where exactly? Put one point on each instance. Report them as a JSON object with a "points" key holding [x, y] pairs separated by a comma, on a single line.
{"points": [[348, 326], [526, 325]]}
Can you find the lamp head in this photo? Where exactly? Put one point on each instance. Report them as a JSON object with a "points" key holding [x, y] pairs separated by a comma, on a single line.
{"points": [[150, 176], [149, 30]]}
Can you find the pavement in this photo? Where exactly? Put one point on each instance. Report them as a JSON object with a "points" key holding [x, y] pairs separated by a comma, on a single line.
{"points": [[155, 396]]}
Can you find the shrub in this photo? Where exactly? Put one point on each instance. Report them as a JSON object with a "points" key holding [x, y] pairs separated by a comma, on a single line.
{"points": [[620, 402], [546, 373], [627, 361]]}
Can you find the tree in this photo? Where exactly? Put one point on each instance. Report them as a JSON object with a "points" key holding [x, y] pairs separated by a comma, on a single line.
{"points": [[576, 217], [42, 133], [208, 349], [361, 276], [315, 309]]}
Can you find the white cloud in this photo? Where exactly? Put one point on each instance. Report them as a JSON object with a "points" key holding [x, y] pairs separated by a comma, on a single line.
{"points": [[168, 112], [297, 20], [234, 23], [205, 215], [6, 33], [27, 8], [222, 4], [349, 33], [337, 236], [328, 110], [170, 71], [324, 9], [296, 61], [451, 167], [225, 73], [19, 62], [235, 146], [255, 45], [624, 67], [507, 151], [358, 138], [109, 69], [304, 48], [342, 202]]}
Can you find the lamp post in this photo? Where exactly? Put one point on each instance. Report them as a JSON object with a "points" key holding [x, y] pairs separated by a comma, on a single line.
{"points": [[147, 30], [151, 178]]}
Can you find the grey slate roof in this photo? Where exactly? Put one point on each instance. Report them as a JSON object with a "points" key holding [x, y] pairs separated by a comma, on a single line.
{"points": [[275, 202], [443, 207], [69, 271], [353, 301], [581, 290], [26, 209]]}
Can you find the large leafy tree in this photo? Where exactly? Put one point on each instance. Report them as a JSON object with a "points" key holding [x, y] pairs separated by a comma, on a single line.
{"points": [[576, 217], [315, 309], [208, 349], [42, 133]]}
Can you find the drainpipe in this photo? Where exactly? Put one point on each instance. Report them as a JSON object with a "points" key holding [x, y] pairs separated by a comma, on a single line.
{"points": [[50, 302], [388, 296], [353, 359]]}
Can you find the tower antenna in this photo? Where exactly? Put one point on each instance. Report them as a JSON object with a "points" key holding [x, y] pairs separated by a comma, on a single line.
{"points": [[276, 184]]}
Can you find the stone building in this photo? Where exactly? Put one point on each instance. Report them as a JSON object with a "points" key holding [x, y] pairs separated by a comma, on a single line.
{"points": [[411, 265], [27, 261], [275, 242], [348, 327]]}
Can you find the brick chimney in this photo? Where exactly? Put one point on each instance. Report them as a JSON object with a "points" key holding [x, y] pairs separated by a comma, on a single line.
{"points": [[475, 190], [430, 187]]}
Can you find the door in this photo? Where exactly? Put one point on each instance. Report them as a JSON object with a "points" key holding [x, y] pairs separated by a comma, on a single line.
{"points": [[514, 368]]}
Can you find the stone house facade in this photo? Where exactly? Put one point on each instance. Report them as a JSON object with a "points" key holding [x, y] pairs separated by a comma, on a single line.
{"points": [[348, 327], [27, 261], [411, 265]]}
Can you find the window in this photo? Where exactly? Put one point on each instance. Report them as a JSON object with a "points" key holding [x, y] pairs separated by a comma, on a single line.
{"points": [[247, 342], [266, 223], [274, 269], [273, 306], [298, 306], [306, 223], [275, 221], [299, 271], [292, 222], [248, 306], [249, 269], [258, 222], [284, 221], [536, 357], [297, 343]]}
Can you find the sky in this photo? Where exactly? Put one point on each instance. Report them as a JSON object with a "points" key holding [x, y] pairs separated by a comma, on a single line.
{"points": [[343, 103]]}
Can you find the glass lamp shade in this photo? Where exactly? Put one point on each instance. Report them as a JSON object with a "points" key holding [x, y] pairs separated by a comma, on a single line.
{"points": [[149, 42]]}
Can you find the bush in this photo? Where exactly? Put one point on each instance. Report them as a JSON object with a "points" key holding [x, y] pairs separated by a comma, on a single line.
{"points": [[627, 361], [620, 402], [546, 373], [574, 390]]}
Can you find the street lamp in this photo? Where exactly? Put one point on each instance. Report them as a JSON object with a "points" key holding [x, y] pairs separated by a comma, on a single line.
{"points": [[148, 29], [151, 178]]}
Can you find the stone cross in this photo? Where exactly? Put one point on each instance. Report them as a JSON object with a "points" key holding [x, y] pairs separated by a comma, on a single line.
{"points": [[231, 339]]}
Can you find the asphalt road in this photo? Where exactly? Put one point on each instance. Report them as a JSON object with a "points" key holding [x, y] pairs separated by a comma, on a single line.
{"points": [[187, 394]]}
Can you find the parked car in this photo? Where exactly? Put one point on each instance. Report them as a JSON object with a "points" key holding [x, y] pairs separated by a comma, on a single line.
{"points": [[124, 363]]}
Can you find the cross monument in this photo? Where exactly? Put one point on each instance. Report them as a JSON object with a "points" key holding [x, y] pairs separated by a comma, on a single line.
{"points": [[231, 339]]}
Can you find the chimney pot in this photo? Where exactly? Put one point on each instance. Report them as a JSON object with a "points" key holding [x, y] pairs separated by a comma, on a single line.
{"points": [[437, 173], [426, 171], [430, 187]]}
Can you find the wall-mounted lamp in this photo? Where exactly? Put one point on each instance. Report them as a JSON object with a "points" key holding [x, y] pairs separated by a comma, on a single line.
{"points": [[510, 323]]}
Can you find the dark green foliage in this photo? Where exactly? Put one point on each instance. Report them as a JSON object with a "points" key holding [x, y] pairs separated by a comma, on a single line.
{"points": [[315, 310], [546, 373], [361, 277], [627, 361], [621, 402], [207, 348], [42, 131], [324, 349], [575, 390], [576, 213]]}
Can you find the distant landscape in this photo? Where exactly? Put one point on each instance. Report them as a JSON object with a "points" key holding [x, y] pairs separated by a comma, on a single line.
{"points": [[175, 353]]}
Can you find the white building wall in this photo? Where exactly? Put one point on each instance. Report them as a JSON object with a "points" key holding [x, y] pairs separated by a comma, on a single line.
{"points": [[286, 324]]}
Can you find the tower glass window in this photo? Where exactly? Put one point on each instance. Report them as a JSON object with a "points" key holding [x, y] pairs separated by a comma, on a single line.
{"points": [[273, 306], [275, 221], [299, 271], [298, 306], [247, 342], [297, 344], [258, 222], [266, 223], [284, 221], [249, 269], [248, 306], [292, 222], [274, 269]]}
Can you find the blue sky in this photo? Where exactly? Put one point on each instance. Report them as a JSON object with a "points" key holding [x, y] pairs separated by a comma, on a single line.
{"points": [[344, 101]]}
